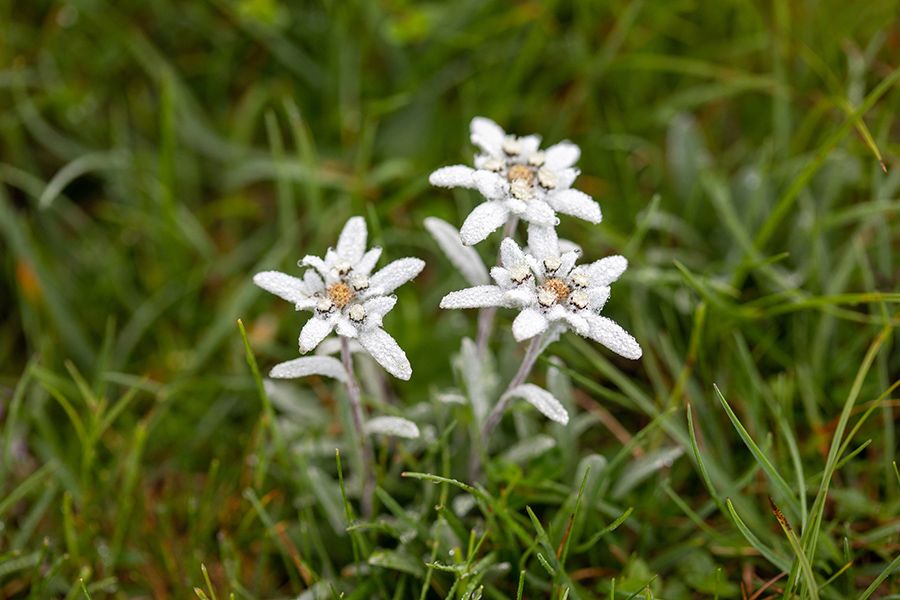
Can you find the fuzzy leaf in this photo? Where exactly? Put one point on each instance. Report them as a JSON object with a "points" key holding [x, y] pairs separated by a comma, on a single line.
{"points": [[395, 426], [310, 365], [542, 400], [464, 258]]}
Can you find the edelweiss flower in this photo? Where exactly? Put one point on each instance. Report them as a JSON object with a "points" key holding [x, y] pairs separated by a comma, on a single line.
{"points": [[346, 298], [519, 179], [551, 292]]}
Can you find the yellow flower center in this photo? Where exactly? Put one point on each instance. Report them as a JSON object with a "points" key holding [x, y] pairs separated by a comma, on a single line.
{"points": [[557, 287], [520, 172], [340, 294]]}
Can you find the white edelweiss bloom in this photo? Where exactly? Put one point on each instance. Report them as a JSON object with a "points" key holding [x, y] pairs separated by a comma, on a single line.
{"points": [[346, 297], [551, 292], [518, 179]]}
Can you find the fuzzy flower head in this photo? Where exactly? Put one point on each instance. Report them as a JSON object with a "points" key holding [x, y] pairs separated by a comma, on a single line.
{"points": [[551, 292], [518, 179], [346, 297]]}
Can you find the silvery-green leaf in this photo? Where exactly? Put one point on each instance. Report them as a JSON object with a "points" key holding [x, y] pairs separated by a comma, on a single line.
{"points": [[558, 383], [644, 467], [525, 450], [328, 493], [686, 153], [395, 426], [451, 398], [310, 365], [464, 258], [301, 405], [597, 464], [474, 377], [462, 504], [542, 400]]}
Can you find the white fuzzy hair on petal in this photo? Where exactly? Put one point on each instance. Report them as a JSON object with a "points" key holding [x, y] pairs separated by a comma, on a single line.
{"points": [[475, 297], [284, 286], [386, 352], [453, 176], [484, 220]]}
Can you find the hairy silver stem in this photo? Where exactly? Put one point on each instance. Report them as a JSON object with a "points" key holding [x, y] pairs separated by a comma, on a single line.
{"points": [[486, 315], [368, 459], [531, 356]]}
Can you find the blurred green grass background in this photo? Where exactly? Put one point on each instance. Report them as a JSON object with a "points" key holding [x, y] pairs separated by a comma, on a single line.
{"points": [[153, 156]]}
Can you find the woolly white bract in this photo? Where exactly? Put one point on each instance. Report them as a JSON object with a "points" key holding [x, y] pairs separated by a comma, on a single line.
{"points": [[551, 292], [346, 297], [518, 179]]}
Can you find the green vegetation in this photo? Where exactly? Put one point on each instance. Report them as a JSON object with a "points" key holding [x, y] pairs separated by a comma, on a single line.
{"points": [[155, 155]]}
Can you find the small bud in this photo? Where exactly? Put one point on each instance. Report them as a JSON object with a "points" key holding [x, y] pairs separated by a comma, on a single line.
{"points": [[536, 159], [520, 172], [360, 282], [552, 264], [521, 189], [519, 273], [343, 267], [548, 179], [357, 313], [546, 297], [579, 299], [494, 164], [512, 146], [325, 305], [579, 279]]}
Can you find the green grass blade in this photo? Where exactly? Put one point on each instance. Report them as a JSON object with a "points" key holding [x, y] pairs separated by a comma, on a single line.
{"points": [[778, 213], [590, 542], [438, 479], [703, 474], [33, 482], [754, 541], [811, 529], [888, 570], [763, 461], [811, 586]]}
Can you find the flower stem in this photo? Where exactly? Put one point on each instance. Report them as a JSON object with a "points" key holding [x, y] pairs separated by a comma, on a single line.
{"points": [[356, 410], [486, 315], [531, 356]]}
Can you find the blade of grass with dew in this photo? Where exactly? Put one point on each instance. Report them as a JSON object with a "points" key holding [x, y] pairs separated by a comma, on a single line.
{"points": [[778, 213], [13, 415], [125, 494], [290, 561], [395, 509], [763, 461], [543, 537], [268, 411], [811, 529], [304, 142], [16, 231], [29, 485], [767, 553], [592, 541], [239, 302], [287, 207], [811, 585], [703, 473], [563, 550], [750, 368], [888, 570], [691, 514]]}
